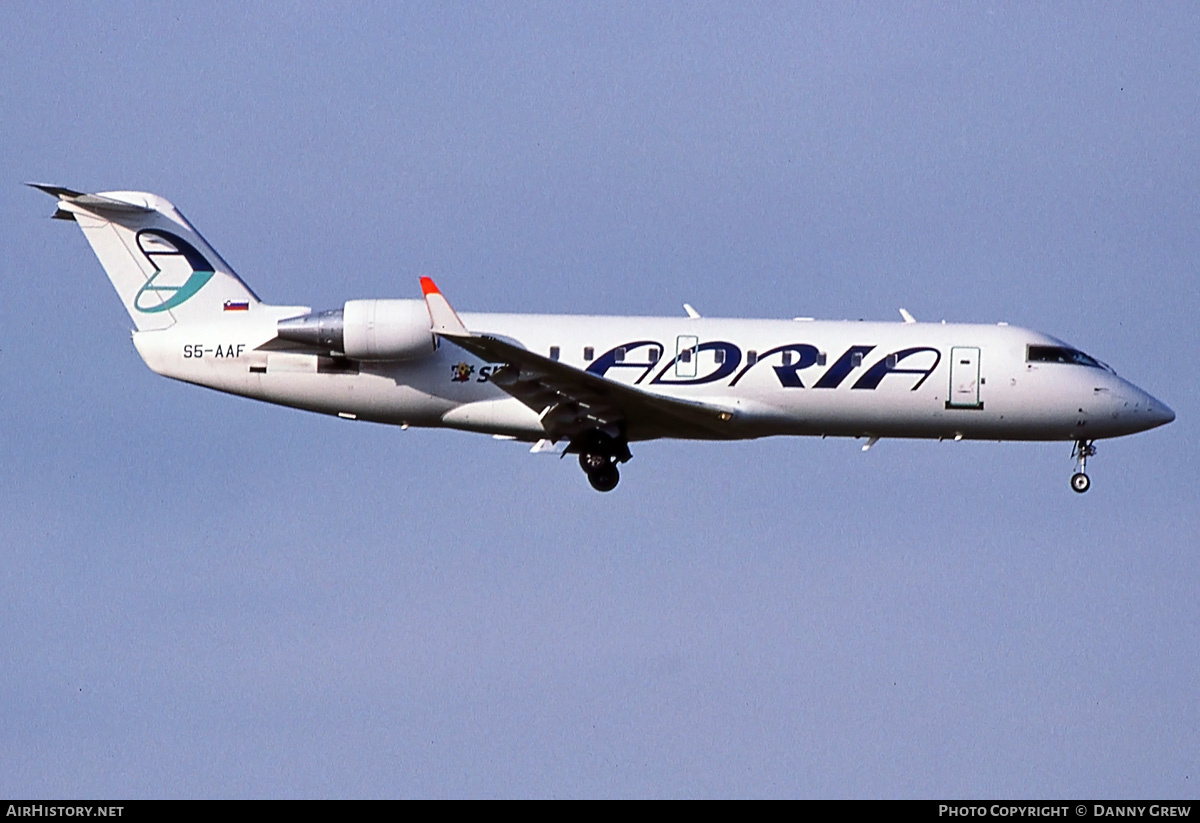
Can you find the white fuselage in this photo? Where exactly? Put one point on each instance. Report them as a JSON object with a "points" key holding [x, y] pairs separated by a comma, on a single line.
{"points": [[810, 377]]}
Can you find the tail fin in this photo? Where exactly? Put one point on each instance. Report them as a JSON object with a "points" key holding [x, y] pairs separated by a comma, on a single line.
{"points": [[164, 271]]}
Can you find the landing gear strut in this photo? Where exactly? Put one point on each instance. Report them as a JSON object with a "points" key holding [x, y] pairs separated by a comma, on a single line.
{"points": [[1084, 449], [599, 454]]}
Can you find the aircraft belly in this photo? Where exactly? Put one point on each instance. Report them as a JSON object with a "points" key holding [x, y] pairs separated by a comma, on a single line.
{"points": [[507, 417], [363, 396], [307, 382], [924, 414]]}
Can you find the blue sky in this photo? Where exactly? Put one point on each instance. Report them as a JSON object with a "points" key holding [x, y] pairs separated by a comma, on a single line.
{"points": [[205, 596]]}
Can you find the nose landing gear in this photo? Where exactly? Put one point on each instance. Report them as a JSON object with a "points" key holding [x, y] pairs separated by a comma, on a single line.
{"points": [[1084, 449]]}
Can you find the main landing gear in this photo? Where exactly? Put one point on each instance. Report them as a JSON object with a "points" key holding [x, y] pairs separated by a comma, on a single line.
{"points": [[1084, 449], [599, 454]]}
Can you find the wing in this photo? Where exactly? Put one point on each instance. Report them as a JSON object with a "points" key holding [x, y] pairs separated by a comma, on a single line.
{"points": [[570, 400]]}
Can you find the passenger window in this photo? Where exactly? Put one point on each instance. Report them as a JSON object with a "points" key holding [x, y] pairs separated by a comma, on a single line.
{"points": [[588, 352], [554, 352], [619, 355], [751, 357], [856, 359], [719, 355]]}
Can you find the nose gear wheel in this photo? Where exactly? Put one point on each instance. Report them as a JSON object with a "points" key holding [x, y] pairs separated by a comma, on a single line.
{"points": [[1084, 449]]}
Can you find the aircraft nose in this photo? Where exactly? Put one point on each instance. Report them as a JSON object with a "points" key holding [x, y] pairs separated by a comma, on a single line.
{"points": [[1135, 410], [1160, 413], [1152, 411]]}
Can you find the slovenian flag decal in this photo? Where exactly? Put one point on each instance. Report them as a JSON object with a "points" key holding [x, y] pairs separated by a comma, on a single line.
{"points": [[237, 305]]}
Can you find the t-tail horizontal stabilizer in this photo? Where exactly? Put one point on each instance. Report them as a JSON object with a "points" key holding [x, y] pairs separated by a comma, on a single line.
{"points": [[92, 202]]}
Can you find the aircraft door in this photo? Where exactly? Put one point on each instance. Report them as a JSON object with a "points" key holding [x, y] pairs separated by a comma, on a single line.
{"points": [[685, 355], [964, 378]]}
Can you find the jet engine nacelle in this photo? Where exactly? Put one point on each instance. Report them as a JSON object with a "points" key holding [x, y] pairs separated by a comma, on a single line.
{"points": [[367, 330], [387, 330]]}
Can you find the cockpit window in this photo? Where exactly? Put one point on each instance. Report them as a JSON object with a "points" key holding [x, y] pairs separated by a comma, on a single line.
{"points": [[1061, 354]]}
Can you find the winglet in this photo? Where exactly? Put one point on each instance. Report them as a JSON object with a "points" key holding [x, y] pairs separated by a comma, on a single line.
{"points": [[443, 317], [908, 318]]}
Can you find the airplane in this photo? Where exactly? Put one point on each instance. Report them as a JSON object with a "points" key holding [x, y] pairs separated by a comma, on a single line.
{"points": [[587, 385]]}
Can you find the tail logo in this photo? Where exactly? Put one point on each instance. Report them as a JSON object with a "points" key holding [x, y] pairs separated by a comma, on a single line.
{"points": [[179, 271]]}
